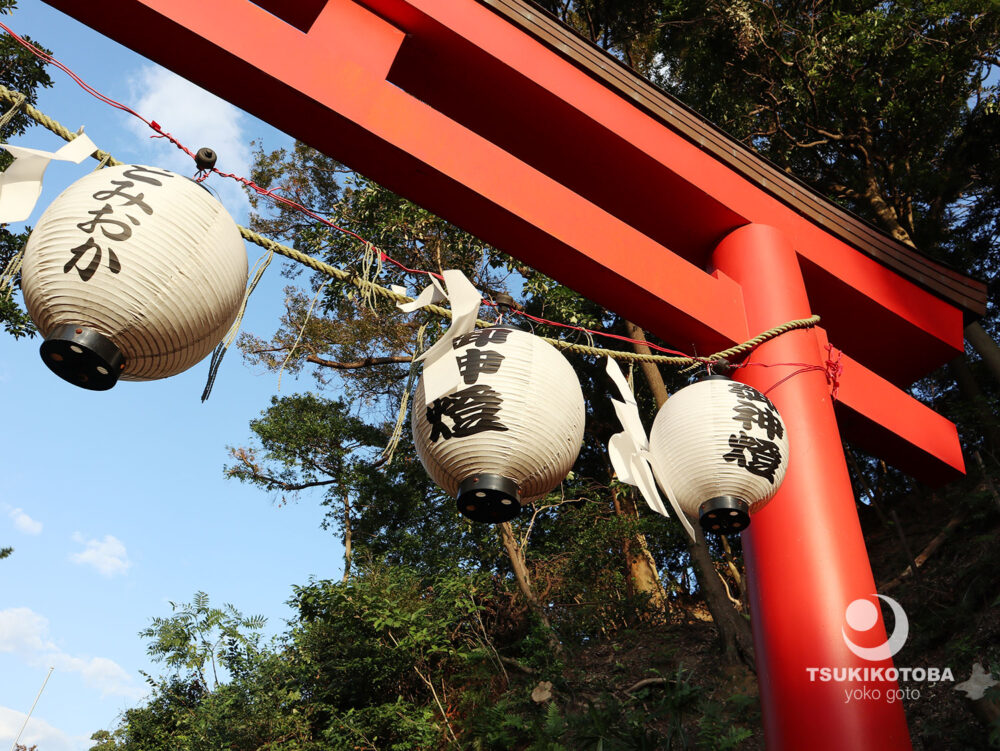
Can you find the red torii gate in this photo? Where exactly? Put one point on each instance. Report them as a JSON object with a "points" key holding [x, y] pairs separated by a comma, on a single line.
{"points": [[497, 118]]}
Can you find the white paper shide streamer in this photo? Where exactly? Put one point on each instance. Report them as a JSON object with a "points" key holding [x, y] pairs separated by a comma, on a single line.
{"points": [[507, 427], [722, 449], [630, 455], [441, 375], [133, 272], [21, 182]]}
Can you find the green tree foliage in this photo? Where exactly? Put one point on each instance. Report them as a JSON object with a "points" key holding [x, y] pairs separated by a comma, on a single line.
{"points": [[889, 108], [391, 511], [198, 637], [22, 72], [398, 660], [224, 688], [351, 336], [883, 106], [4, 552]]}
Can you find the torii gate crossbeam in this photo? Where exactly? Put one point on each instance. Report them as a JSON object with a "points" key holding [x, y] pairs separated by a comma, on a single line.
{"points": [[490, 114]]}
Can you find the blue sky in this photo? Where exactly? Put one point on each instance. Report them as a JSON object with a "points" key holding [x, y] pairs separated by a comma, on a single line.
{"points": [[115, 502]]}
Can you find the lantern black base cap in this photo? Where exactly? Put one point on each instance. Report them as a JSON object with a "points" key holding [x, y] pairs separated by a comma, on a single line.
{"points": [[490, 499], [83, 357], [724, 515]]}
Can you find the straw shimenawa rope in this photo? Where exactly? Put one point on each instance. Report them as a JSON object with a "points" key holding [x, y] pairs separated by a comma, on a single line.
{"points": [[371, 291]]}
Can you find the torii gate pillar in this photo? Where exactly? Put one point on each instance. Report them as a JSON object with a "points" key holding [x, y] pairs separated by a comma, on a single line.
{"points": [[805, 553]]}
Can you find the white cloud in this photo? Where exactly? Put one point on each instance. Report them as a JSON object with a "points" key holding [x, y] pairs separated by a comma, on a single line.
{"points": [[107, 676], [108, 556], [195, 118], [24, 523], [25, 633], [37, 731]]}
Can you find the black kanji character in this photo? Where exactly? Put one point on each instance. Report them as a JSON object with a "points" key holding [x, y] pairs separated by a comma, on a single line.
{"points": [[765, 456], [766, 418], [470, 411], [119, 192], [481, 338], [133, 174], [477, 361], [749, 393], [91, 268], [124, 233]]}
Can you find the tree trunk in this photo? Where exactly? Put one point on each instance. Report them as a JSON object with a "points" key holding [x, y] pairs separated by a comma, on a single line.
{"points": [[962, 373], [883, 210], [906, 545], [983, 343], [347, 537], [927, 552], [642, 573], [987, 480], [734, 631], [975, 334], [640, 568], [523, 579], [649, 369]]}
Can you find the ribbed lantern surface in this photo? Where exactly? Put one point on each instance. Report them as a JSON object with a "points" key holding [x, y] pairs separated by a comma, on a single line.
{"points": [[133, 269], [723, 450], [512, 430]]}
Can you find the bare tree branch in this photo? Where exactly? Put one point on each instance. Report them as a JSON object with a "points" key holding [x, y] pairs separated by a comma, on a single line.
{"points": [[363, 363]]}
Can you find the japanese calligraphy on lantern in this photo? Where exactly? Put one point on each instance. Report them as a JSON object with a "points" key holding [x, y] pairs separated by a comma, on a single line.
{"points": [[119, 210], [481, 338], [143, 262], [469, 411], [474, 409], [755, 414], [477, 361]]}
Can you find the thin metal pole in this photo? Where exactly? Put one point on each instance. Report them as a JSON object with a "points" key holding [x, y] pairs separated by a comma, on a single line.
{"points": [[14, 745]]}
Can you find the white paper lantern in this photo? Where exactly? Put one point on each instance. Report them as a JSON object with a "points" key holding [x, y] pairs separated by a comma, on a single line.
{"points": [[722, 449], [511, 431], [132, 272]]}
